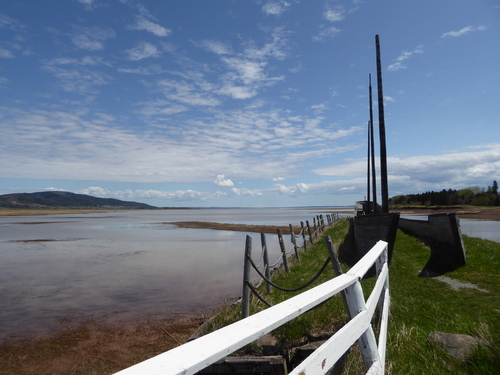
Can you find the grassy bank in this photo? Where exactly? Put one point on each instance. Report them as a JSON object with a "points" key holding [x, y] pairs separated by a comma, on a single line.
{"points": [[419, 306]]}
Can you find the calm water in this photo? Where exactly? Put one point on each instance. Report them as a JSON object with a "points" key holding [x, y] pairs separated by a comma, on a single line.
{"points": [[123, 265], [485, 229], [131, 266]]}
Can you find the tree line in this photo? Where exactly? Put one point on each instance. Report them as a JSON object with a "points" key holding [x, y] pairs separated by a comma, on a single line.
{"points": [[473, 196]]}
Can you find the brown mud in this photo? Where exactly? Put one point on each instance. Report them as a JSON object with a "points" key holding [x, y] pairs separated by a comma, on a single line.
{"points": [[94, 347], [235, 227]]}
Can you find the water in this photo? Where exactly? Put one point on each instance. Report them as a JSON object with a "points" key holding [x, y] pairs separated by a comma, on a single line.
{"points": [[120, 266], [485, 229]]}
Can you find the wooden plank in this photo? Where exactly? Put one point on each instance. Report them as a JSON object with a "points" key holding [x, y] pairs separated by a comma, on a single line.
{"points": [[202, 352], [365, 263], [323, 359]]}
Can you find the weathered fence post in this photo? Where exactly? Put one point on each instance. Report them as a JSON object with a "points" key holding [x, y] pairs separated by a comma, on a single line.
{"points": [[336, 269], [294, 243], [315, 229], [245, 299], [355, 303], [309, 230], [267, 271], [303, 235], [283, 250]]}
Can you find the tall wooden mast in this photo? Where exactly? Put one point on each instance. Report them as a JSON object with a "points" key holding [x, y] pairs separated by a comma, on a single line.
{"points": [[381, 123], [372, 148]]}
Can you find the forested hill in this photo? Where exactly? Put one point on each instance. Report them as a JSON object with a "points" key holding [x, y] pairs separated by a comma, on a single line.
{"points": [[64, 199]]}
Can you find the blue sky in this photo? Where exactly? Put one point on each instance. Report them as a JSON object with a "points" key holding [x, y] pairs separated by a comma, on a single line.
{"points": [[245, 103]]}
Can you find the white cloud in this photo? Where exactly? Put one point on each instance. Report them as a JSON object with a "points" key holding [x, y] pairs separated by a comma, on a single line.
{"points": [[326, 32], [278, 179], [404, 56], [142, 51], [431, 171], [89, 4], [220, 181], [6, 54], [91, 38], [244, 191], [216, 47], [275, 8], [142, 23], [86, 146], [465, 30], [334, 15], [74, 76]]}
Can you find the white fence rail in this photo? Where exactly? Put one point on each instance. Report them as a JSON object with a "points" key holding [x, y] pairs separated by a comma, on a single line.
{"points": [[196, 355]]}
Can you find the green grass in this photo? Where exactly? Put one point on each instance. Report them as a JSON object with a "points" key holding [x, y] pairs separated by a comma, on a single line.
{"points": [[418, 306]]}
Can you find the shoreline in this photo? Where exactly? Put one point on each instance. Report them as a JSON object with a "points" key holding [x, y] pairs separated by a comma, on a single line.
{"points": [[463, 212]]}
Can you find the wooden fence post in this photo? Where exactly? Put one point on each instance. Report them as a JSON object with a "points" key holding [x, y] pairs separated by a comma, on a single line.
{"points": [[245, 299], [309, 230], [267, 271], [303, 235], [294, 243], [283, 250], [336, 269]]}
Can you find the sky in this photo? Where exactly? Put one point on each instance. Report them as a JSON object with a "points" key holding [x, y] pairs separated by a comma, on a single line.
{"points": [[246, 103]]}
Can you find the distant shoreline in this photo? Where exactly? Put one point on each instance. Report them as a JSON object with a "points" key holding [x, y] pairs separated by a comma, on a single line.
{"points": [[464, 212]]}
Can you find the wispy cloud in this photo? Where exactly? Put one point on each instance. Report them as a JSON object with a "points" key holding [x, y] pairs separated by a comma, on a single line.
{"points": [[6, 54], [75, 75], [91, 38], [145, 21], [275, 8], [334, 15], [142, 51], [216, 47], [326, 32], [404, 56], [81, 146], [465, 30]]}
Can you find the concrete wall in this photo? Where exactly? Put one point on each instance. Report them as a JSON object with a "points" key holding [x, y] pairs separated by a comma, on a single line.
{"points": [[441, 232]]}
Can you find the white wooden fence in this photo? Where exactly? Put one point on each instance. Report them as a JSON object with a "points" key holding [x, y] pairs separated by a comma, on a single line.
{"points": [[206, 350]]}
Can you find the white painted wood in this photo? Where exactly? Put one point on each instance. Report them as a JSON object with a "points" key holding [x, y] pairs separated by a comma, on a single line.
{"points": [[198, 354], [362, 267], [323, 358]]}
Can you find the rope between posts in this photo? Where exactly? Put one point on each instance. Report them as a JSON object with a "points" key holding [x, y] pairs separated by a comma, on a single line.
{"points": [[279, 260], [327, 261], [249, 284], [261, 256], [300, 234]]}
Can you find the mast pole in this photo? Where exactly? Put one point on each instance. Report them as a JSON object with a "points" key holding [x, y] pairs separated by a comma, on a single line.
{"points": [[368, 170], [381, 122], [372, 140]]}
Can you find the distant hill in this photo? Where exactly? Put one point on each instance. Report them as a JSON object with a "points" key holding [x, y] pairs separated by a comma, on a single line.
{"points": [[64, 199]]}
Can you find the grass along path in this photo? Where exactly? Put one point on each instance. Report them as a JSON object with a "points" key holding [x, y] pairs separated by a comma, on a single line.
{"points": [[418, 306]]}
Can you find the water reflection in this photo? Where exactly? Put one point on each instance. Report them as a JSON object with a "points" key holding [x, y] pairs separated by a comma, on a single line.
{"points": [[122, 265]]}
